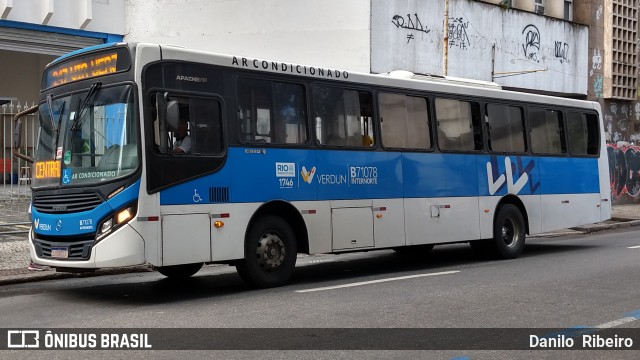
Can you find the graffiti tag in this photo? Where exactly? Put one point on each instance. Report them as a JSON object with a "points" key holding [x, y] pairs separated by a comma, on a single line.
{"points": [[562, 49], [410, 23], [532, 42], [597, 86], [458, 33]]}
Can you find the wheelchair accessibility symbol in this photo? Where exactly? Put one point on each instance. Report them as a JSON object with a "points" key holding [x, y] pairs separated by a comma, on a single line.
{"points": [[66, 176], [196, 197]]}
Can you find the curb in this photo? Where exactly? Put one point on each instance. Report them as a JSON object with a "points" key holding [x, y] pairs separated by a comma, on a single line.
{"points": [[19, 276], [620, 223]]}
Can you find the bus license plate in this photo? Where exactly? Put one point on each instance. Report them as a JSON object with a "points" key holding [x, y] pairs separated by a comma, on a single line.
{"points": [[60, 252]]}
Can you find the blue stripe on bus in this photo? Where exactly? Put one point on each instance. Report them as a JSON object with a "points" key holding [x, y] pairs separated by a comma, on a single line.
{"points": [[256, 175], [85, 222]]}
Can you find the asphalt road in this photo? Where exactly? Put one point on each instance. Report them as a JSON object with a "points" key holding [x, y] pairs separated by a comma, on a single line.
{"points": [[560, 282]]}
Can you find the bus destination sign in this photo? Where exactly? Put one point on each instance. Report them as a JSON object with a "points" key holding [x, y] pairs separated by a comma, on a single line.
{"points": [[86, 66], [47, 169]]}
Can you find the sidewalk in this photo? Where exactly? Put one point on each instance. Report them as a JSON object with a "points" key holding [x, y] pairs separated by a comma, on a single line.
{"points": [[14, 250]]}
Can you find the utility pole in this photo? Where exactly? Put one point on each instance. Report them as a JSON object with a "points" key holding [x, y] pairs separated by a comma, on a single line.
{"points": [[445, 45]]}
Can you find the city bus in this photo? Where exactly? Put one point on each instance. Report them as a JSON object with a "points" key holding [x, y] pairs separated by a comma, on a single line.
{"points": [[287, 159]]}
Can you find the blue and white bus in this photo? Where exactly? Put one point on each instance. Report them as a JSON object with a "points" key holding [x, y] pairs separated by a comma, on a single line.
{"points": [[289, 159]]}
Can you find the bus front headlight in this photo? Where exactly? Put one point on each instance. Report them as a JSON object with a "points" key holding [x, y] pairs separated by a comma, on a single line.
{"points": [[116, 220]]}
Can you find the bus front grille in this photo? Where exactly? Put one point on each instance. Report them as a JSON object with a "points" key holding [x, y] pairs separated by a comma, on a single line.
{"points": [[66, 203], [79, 248]]}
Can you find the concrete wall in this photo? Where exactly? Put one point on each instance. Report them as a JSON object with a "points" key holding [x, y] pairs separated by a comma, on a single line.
{"points": [[330, 33], [105, 16], [408, 35]]}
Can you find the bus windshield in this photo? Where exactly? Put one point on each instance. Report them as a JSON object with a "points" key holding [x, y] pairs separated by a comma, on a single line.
{"points": [[86, 138]]}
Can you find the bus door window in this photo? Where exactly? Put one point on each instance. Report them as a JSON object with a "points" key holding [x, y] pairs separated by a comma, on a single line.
{"points": [[199, 128], [271, 112], [343, 117], [547, 131], [459, 126], [404, 121]]}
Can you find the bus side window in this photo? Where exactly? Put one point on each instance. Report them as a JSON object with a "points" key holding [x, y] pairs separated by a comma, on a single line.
{"points": [[506, 128], [271, 112], [547, 131], [459, 125], [404, 121], [583, 133], [343, 117]]}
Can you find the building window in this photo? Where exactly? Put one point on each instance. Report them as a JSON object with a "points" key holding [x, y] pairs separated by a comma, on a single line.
{"points": [[568, 10]]}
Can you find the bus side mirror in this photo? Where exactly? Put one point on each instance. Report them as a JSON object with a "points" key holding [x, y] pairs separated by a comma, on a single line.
{"points": [[172, 115], [161, 107]]}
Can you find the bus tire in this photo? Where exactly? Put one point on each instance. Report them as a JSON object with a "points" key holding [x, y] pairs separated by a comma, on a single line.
{"points": [[414, 249], [179, 271], [270, 253], [508, 232]]}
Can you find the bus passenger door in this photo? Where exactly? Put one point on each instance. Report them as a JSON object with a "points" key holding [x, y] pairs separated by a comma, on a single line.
{"points": [[185, 239]]}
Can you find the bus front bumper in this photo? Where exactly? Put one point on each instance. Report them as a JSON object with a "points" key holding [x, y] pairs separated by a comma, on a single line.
{"points": [[123, 247]]}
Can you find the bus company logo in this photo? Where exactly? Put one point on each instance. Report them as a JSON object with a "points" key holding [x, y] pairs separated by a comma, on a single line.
{"points": [[285, 169], [307, 176], [496, 181], [23, 339], [191, 79], [41, 226]]}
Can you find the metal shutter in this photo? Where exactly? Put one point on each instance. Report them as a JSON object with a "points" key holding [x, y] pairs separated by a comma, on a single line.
{"points": [[41, 42]]}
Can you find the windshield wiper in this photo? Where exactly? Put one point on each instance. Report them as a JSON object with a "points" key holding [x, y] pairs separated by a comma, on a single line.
{"points": [[50, 106], [55, 125], [92, 91]]}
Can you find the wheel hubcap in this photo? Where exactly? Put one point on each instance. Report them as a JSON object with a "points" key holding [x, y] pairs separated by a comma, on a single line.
{"points": [[270, 252], [510, 232]]}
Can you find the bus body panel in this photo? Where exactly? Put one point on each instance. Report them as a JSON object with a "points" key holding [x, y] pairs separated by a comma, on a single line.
{"points": [[561, 211], [148, 204], [439, 220]]}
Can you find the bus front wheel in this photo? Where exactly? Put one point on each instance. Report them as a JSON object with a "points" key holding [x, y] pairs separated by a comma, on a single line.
{"points": [[508, 232], [270, 253], [179, 271]]}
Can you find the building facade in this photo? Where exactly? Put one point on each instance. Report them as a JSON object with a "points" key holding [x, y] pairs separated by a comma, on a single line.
{"points": [[574, 48], [32, 34]]}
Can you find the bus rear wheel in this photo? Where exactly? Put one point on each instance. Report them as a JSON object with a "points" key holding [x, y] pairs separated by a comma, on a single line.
{"points": [[508, 232], [179, 271], [270, 253]]}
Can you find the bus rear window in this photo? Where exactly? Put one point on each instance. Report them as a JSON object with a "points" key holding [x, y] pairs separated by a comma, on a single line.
{"points": [[583, 133]]}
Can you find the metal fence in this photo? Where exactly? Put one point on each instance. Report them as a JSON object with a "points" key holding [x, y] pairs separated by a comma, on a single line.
{"points": [[16, 173]]}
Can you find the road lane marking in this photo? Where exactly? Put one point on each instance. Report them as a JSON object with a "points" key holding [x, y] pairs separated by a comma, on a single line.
{"points": [[376, 281], [634, 247], [615, 323]]}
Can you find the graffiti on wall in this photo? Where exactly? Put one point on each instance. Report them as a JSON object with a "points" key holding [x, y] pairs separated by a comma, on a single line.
{"points": [[624, 170], [532, 42], [562, 48], [458, 33], [596, 61], [412, 23], [597, 86], [599, 12]]}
